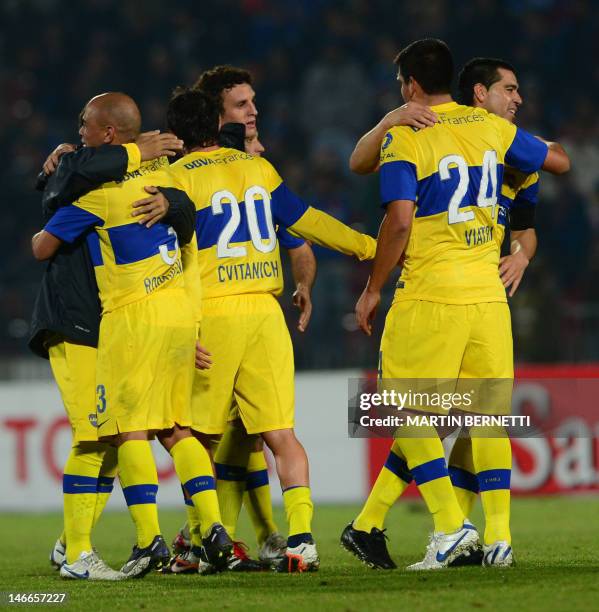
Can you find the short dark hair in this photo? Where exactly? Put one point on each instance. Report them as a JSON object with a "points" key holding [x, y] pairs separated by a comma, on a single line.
{"points": [[484, 70], [219, 79], [193, 117], [429, 62]]}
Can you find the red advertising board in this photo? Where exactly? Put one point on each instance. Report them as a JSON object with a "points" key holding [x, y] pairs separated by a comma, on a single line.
{"points": [[563, 454]]}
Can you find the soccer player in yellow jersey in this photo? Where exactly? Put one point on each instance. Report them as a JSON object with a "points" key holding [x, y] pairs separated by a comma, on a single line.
{"points": [[146, 348], [65, 326], [449, 318], [241, 469], [239, 200], [490, 84]]}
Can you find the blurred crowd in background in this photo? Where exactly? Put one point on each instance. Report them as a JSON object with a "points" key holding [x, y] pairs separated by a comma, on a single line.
{"points": [[323, 76]]}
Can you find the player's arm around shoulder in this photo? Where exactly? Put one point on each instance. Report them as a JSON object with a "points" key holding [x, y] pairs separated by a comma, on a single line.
{"points": [[529, 153], [365, 157], [557, 160], [69, 223], [44, 245]]}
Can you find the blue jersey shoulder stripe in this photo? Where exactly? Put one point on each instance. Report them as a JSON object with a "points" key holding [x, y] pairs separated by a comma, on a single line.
{"points": [[287, 207], [70, 222], [134, 242], [398, 181], [288, 241], [526, 153]]}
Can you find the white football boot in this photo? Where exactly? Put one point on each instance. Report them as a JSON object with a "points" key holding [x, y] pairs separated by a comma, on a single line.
{"points": [[58, 554], [301, 558], [444, 548], [498, 554], [89, 567]]}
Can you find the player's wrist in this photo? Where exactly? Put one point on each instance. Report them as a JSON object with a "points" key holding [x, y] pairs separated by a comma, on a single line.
{"points": [[372, 289], [388, 121]]}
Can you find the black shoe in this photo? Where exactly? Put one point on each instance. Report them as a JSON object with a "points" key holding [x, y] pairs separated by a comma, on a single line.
{"points": [[143, 560], [370, 548], [470, 557], [240, 561], [218, 547]]}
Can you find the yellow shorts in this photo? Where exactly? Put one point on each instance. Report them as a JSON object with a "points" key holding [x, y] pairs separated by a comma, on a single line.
{"points": [[74, 368], [427, 340], [252, 365], [145, 365]]}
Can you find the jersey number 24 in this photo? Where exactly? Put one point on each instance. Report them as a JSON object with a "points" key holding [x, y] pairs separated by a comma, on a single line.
{"points": [[489, 174]]}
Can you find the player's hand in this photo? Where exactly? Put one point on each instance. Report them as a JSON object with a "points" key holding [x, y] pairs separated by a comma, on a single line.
{"points": [[366, 309], [511, 270], [203, 357], [154, 144], [153, 208], [53, 159], [302, 299], [412, 114]]}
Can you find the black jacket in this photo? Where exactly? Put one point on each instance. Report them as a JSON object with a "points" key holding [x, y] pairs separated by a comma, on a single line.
{"points": [[67, 303]]}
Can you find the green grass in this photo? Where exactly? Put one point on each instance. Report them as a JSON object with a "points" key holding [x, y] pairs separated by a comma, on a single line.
{"points": [[555, 542]]}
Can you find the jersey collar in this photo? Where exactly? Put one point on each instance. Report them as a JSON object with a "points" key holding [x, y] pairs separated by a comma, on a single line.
{"points": [[443, 108]]}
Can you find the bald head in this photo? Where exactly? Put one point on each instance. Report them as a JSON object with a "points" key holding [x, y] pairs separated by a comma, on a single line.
{"points": [[110, 118]]}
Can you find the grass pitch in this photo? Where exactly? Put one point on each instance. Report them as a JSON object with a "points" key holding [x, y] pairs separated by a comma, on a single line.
{"points": [[555, 542]]}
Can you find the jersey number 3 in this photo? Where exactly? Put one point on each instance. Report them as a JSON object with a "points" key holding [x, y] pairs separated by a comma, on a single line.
{"points": [[223, 244], [489, 173]]}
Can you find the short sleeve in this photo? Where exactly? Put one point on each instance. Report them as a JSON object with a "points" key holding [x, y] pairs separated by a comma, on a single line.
{"points": [[522, 150], [72, 221], [286, 206], [528, 194], [398, 171]]}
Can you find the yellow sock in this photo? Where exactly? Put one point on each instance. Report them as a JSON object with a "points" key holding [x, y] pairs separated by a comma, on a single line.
{"points": [[194, 470], [426, 461], [193, 520], [299, 510], [139, 480], [63, 538], [257, 499], [463, 475], [230, 462], [108, 473], [79, 486], [391, 482], [492, 458]]}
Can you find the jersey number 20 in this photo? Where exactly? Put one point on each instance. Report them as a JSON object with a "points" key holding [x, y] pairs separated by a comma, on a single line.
{"points": [[223, 246]]}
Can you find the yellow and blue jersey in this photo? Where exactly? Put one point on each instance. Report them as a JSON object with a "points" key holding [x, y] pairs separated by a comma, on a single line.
{"points": [[242, 208], [131, 261], [454, 173]]}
